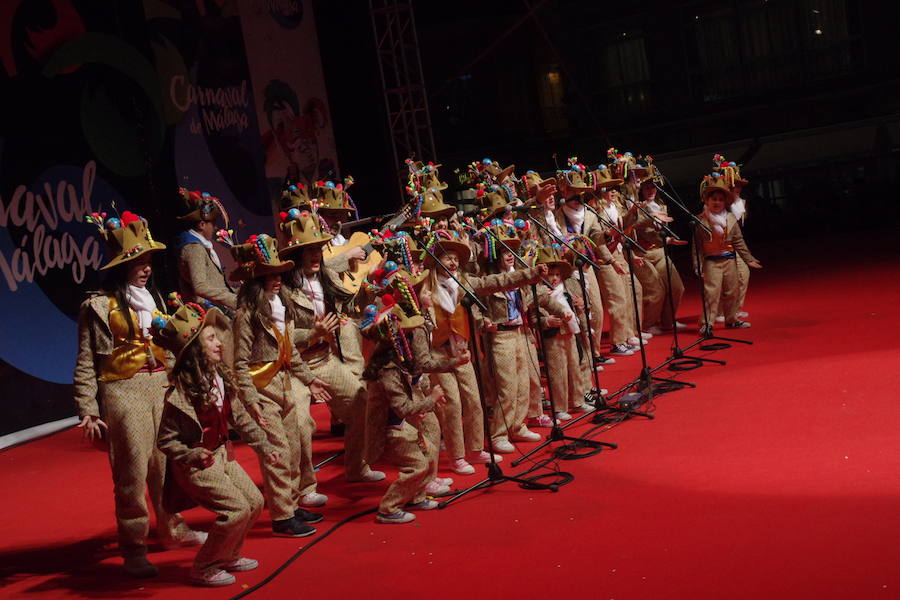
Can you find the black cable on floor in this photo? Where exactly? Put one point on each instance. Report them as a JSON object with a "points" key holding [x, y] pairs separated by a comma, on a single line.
{"points": [[301, 551]]}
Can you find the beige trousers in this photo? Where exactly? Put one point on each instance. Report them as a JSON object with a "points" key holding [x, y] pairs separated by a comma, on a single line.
{"points": [[285, 406], [743, 272], [720, 278], [510, 357], [535, 390], [461, 416], [132, 408], [348, 403], [653, 293], [658, 259], [430, 434], [225, 489], [565, 374], [595, 297], [615, 290], [402, 448]]}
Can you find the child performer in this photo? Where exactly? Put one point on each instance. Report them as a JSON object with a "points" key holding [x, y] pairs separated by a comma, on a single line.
{"points": [[717, 251], [732, 174], [396, 397], [119, 380], [273, 382], [193, 435]]}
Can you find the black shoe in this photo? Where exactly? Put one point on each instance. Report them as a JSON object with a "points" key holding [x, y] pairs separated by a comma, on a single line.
{"points": [[337, 429], [291, 528], [307, 516], [604, 360]]}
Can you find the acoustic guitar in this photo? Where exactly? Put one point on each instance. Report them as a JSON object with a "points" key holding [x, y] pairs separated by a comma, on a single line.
{"points": [[354, 277]]}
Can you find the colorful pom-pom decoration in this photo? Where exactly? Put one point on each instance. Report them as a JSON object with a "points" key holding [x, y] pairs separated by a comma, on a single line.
{"points": [[113, 223], [294, 214], [159, 322], [390, 266]]}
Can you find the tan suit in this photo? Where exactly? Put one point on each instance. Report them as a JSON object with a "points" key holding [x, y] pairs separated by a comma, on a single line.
{"points": [[324, 357], [720, 275], [223, 488], [397, 400], [200, 277], [566, 372], [596, 293], [284, 403], [461, 417], [132, 408]]}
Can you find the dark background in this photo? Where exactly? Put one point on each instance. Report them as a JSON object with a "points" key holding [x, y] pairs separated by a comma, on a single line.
{"points": [[807, 92]]}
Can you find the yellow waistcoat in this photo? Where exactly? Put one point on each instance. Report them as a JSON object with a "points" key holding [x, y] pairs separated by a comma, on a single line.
{"points": [[129, 355]]}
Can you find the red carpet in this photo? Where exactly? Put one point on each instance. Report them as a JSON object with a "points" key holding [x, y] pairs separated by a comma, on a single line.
{"points": [[776, 478]]}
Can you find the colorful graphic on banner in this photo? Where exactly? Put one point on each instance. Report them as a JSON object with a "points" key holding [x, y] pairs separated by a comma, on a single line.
{"points": [[289, 87]]}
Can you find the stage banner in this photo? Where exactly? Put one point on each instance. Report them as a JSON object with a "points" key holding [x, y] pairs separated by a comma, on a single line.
{"points": [[112, 110], [289, 89]]}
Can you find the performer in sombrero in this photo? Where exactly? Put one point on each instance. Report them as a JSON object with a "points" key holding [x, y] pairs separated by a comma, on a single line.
{"points": [[200, 273], [320, 301], [119, 384], [718, 251], [200, 407], [275, 384]]}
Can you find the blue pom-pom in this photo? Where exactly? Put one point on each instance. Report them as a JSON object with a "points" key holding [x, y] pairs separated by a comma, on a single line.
{"points": [[601, 167], [732, 164], [628, 154], [113, 223], [402, 234], [390, 266], [371, 310], [519, 223], [204, 195], [530, 172], [292, 187], [159, 322], [487, 161], [294, 214], [329, 184]]}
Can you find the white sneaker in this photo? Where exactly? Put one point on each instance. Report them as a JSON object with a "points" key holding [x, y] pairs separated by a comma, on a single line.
{"points": [[563, 416], [461, 467], [646, 335], [398, 517], [720, 319], [482, 457], [368, 477], [314, 499], [436, 488], [679, 325], [423, 505], [444, 481], [504, 447], [742, 314], [526, 435], [211, 577], [240, 564]]}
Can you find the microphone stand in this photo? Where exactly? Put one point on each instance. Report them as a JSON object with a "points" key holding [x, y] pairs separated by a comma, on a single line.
{"points": [[600, 401], [645, 382], [495, 473], [556, 433], [706, 333]]}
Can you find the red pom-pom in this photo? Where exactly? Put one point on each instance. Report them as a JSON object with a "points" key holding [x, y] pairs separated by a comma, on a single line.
{"points": [[320, 183], [300, 186], [252, 239], [377, 274], [283, 216], [388, 300], [388, 233], [129, 217], [196, 195], [479, 193]]}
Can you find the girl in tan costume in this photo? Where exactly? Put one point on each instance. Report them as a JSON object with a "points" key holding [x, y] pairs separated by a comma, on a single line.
{"points": [[193, 435], [120, 380], [276, 385]]}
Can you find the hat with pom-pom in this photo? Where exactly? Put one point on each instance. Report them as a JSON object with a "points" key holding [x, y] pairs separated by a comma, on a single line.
{"points": [[177, 331], [126, 237], [716, 183], [258, 257], [552, 257], [295, 195], [332, 198], [200, 206], [303, 229]]}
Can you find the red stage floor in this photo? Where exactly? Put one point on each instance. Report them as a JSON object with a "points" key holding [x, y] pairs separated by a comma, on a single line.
{"points": [[776, 478]]}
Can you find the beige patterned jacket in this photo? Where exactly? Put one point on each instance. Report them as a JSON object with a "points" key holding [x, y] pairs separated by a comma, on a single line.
{"points": [[199, 277]]}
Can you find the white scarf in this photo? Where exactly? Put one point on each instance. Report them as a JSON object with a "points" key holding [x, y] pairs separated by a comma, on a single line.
{"points": [[338, 240], [558, 293], [277, 312], [218, 390], [738, 208], [446, 294], [718, 221], [141, 302], [575, 216], [209, 246], [612, 213], [315, 293], [654, 207], [552, 225]]}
